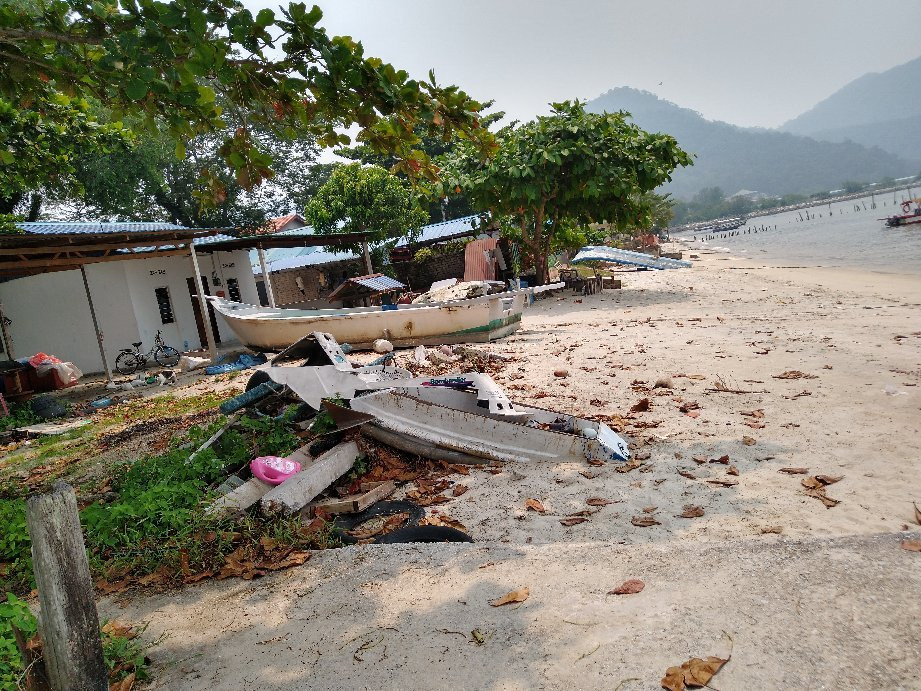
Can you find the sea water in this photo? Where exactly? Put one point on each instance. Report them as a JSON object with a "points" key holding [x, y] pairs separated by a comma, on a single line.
{"points": [[842, 234]]}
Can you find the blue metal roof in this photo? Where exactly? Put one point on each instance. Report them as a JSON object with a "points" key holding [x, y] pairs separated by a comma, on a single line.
{"points": [[445, 229], [72, 228], [379, 283], [316, 257]]}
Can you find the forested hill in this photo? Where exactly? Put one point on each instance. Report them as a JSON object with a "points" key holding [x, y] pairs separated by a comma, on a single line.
{"points": [[735, 158], [877, 109]]}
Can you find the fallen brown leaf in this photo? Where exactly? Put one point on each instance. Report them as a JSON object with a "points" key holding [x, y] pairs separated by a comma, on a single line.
{"points": [[753, 413], [688, 475], [691, 511], [723, 482], [644, 521], [776, 529], [459, 490], [749, 441], [629, 587], [641, 406], [794, 471], [598, 501], [829, 479], [699, 459], [573, 520], [693, 414], [519, 595], [794, 374], [755, 425], [125, 684], [722, 459], [911, 545], [535, 505], [693, 673], [595, 462], [732, 470]]}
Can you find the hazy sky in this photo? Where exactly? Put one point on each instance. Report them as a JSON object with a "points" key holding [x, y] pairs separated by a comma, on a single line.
{"points": [[748, 63]]}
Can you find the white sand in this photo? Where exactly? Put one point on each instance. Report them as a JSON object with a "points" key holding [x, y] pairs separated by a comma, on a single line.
{"points": [[809, 609]]}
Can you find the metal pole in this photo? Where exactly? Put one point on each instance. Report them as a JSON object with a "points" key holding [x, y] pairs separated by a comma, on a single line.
{"points": [[270, 294], [205, 315], [89, 299], [367, 256]]}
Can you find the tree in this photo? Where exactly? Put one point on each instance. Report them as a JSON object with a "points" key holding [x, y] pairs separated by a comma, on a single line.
{"points": [[143, 180], [37, 151], [172, 62], [566, 170], [365, 199], [441, 207]]}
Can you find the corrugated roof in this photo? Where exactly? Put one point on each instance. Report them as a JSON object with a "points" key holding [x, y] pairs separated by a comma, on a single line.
{"points": [[314, 258], [378, 282], [280, 222], [445, 229], [84, 228]]}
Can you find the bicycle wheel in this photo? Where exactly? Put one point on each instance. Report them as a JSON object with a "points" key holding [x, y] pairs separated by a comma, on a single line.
{"points": [[166, 356], [127, 363]]}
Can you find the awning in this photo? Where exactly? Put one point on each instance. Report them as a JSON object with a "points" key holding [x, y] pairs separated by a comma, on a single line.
{"points": [[365, 286]]}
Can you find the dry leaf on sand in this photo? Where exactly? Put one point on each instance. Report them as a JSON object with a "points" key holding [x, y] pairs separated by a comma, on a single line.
{"points": [[775, 529], [125, 684], [694, 673], [723, 482], [749, 441], [535, 505], [519, 595], [459, 490], [732, 470], [641, 406], [629, 587], [911, 545], [598, 501], [691, 511], [794, 471], [794, 374], [724, 459], [815, 487], [917, 513], [688, 475], [644, 521], [573, 520]]}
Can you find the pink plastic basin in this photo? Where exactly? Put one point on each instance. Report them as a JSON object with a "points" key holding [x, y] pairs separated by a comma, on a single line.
{"points": [[274, 469]]}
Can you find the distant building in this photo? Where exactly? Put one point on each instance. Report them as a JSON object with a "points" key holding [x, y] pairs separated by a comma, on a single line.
{"points": [[751, 195]]}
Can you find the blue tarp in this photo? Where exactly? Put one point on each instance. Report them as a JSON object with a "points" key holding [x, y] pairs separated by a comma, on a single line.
{"points": [[602, 253]]}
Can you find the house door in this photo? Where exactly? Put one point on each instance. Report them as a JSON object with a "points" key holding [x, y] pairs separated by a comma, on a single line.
{"points": [[196, 308]]}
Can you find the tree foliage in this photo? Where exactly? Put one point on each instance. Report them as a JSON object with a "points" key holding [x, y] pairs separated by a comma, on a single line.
{"points": [[197, 67], [365, 199], [558, 173]]}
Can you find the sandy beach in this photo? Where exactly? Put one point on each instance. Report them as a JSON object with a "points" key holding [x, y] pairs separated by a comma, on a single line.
{"points": [[745, 370]]}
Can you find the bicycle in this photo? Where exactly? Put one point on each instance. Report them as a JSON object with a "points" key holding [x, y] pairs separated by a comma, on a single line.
{"points": [[130, 361]]}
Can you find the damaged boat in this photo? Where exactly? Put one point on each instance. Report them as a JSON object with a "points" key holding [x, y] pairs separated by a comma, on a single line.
{"points": [[464, 418], [473, 320]]}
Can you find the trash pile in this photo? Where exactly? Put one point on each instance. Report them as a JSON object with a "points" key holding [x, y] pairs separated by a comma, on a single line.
{"points": [[454, 420]]}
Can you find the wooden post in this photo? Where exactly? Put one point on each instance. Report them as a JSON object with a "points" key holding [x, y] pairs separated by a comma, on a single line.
{"points": [[205, 314], [269, 293], [68, 622], [89, 299], [5, 334], [367, 256]]}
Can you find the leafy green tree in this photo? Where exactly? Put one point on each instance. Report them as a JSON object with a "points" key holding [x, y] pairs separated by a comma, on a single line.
{"points": [[37, 151], [367, 199], [566, 170], [442, 205], [194, 67]]}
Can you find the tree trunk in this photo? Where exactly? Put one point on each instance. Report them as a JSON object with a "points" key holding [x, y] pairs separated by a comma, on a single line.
{"points": [[35, 207], [8, 204]]}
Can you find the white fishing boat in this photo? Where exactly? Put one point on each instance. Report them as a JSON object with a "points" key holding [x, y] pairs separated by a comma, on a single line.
{"points": [[472, 320]]}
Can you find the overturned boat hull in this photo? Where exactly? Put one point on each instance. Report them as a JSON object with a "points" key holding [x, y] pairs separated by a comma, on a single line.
{"points": [[463, 321], [453, 421]]}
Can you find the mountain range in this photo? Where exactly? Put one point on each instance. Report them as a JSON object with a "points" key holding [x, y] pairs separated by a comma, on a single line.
{"points": [[850, 136]]}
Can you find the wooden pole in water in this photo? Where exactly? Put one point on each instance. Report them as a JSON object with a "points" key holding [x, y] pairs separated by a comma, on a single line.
{"points": [[68, 623]]}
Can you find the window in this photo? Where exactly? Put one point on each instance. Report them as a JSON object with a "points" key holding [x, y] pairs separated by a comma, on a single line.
{"points": [[233, 289], [164, 305]]}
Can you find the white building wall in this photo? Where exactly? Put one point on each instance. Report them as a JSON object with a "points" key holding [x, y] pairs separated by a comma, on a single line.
{"points": [[50, 311], [50, 314]]}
